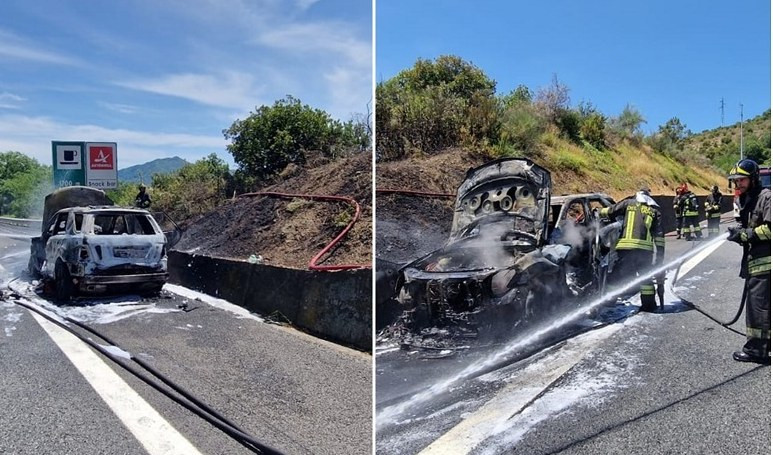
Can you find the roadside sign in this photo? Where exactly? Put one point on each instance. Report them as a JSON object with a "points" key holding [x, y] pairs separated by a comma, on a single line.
{"points": [[68, 163], [101, 166]]}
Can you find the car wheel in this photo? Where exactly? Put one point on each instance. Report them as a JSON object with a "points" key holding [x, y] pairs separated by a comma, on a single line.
{"points": [[64, 285]]}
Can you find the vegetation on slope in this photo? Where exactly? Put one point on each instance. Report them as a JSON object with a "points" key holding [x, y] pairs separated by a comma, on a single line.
{"points": [[449, 103]]}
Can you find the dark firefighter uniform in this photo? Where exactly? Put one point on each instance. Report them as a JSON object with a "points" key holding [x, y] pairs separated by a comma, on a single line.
{"points": [[713, 211], [754, 236], [143, 199], [640, 241], [690, 226], [678, 208]]}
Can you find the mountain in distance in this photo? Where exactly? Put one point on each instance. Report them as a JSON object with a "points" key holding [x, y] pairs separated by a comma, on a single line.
{"points": [[144, 172]]}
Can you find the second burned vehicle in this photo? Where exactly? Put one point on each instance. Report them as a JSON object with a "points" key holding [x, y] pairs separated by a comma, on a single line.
{"points": [[513, 254]]}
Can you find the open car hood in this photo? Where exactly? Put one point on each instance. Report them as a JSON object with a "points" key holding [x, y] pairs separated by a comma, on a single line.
{"points": [[506, 200]]}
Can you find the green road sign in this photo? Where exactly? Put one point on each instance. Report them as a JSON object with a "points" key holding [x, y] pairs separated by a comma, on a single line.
{"points": [[69, 163]]}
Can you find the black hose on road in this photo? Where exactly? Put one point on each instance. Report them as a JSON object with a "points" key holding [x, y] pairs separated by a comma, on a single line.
{"points": [[193, 404], [725, 324]]}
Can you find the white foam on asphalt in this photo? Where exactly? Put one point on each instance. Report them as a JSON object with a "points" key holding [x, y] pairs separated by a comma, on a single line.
{"points": [[512, 410], [212, 301], [500, 432]]}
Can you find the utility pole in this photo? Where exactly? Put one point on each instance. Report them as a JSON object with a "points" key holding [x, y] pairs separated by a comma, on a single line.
{"points": [[722, 109], [741, 130]]}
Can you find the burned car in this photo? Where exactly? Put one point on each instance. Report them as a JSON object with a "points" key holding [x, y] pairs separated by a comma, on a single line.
{"points": [[511, 256], [574, 221], [96, 248]]}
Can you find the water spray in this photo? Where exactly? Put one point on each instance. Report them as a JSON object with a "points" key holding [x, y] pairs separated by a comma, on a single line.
{"points": [[392, 413]]}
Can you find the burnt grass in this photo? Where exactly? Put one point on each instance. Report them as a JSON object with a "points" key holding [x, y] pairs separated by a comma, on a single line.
{"points": [[289, 232]]}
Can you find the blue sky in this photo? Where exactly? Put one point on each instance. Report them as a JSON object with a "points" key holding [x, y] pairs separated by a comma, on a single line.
{"points": [[666, 58], [165, 77]]}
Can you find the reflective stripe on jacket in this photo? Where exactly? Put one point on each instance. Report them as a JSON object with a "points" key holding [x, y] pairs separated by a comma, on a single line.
{"points": [[641, 229]]}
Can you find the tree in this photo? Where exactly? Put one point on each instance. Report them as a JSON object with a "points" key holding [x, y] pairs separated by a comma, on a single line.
{"points": [[433, 105], [274, 136], [23, 184], [674, 131], [14, 163], [553, 99], [521, 95]]}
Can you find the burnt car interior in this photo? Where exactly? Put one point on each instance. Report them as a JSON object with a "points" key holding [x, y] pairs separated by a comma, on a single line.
{"points": [[122, 223]]}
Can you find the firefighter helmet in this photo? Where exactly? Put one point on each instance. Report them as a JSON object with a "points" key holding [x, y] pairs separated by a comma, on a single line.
{"points": [[745, 168], [682, 189]]}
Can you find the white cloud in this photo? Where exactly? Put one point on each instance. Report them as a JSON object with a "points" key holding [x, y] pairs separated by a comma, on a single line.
{"points": [[13, 47], [319, 37], [121, 108], [10, 101], [231, 90], [33, 135], [345, 100]]}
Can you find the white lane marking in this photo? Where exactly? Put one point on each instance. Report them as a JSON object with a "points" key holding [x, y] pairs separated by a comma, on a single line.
{"points": [[516, 396], [155, 434], [478, 426], [697, 259]]}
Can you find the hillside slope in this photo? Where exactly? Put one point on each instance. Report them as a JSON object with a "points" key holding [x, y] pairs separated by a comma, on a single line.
{"points": [[288, 233], [574, 169]]}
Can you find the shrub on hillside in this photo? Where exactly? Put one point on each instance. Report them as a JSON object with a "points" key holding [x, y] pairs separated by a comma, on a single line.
{"points": [[194, 189], [274, 136], [520, 129], [434, 105]]}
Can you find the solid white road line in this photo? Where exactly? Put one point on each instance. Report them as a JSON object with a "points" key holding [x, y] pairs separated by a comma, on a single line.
{"points": [[516, 396], [155, 434]]}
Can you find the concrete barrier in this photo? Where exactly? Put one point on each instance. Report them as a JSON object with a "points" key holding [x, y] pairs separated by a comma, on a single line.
{"points": [[333, 305], [668, 217]]}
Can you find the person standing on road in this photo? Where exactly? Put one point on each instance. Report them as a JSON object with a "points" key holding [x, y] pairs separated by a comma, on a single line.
{"points": [[713, 211], [143, 198], [678, 208], [690, 215], [640, 245], [754, 235]]}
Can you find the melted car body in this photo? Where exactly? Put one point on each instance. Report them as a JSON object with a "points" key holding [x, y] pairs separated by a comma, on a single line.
{"points": [[506, 260], [96, 248]]}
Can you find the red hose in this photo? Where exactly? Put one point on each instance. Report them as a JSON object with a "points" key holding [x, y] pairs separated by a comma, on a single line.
{"points": [[316, 197], [413, 193]]}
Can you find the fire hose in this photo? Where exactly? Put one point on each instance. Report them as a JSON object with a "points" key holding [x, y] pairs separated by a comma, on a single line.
{"points": [[188, 401], [725, 324], [316, 197]]}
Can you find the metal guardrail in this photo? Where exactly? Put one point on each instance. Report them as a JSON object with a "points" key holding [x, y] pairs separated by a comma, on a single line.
{"points": [[21, 222]]}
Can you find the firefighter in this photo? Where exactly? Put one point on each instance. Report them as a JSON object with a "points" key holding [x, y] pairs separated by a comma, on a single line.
{"points": [[713, 210], [678, 208], [754, 235], [690, 226], [143, 198], [641, 243]]}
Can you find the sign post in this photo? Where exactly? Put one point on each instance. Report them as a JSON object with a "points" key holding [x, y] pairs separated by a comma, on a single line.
{"points": [[101, 166], [68, 163]]}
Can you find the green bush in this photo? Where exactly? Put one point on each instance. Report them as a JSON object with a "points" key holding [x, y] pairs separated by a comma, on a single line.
{"points": [[434, 105], [592, 129], [521, 129], [194, 189], [274, 136], [23, 184]]}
